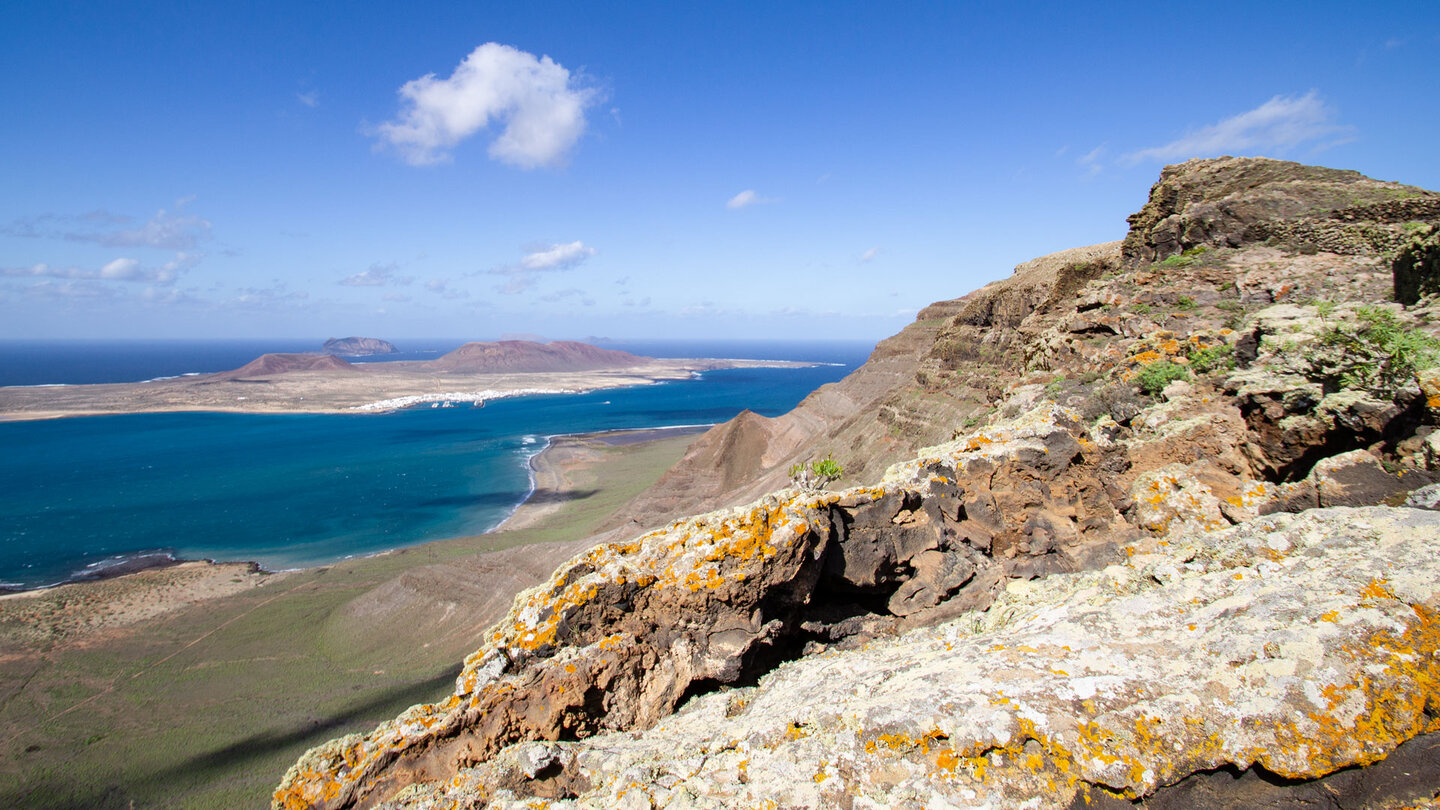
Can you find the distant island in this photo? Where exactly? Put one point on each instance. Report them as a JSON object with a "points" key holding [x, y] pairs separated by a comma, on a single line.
{"points": [[358, 346], [326, 383]]}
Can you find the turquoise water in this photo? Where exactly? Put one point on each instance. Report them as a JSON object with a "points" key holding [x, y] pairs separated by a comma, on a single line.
{"points": [[297, 490]]}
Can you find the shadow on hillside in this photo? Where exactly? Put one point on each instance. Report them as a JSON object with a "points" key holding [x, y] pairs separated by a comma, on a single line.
{"points": [[228, 762], [563, 496]]}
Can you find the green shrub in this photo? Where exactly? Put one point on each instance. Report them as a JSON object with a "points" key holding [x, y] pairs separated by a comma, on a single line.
{"points": [[1186, 258], [1185, 303], [1140, 309], [1379, 354], [1212, 358], [1153, 378]]}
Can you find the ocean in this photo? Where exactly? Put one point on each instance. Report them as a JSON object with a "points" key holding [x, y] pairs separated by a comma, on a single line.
{"points": [[80, 494]]}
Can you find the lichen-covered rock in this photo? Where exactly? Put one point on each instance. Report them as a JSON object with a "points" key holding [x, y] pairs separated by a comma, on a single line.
{"points": [[1299, 644], [623, 634]]}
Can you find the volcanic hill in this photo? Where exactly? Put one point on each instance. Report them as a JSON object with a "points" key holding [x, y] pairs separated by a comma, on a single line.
{"points": [[530, 356], [1125, 527]]}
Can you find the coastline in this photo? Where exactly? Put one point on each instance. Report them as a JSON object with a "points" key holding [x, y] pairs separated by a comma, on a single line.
{"points": [[367, 388], [150, 584], [561, 455]]}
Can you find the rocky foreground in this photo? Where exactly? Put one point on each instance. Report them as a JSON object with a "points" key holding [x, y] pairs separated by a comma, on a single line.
{"points": [[1142, 558]]}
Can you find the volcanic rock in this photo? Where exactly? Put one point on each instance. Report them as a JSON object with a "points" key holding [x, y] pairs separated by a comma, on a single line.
{"points": [[358, 346]]}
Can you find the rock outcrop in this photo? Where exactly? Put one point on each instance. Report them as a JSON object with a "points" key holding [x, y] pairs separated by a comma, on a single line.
{"points": [[1069, 691], [358, 346], [1076, 582]]}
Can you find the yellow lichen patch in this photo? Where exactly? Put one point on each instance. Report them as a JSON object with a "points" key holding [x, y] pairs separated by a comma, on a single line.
{"points": [[977, 441], [1330, 616], [1377, 589], [1365, 720], [904, 743]]}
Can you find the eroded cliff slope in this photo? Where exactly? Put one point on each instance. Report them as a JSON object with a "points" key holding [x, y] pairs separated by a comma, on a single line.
{"points": [[1074, 583]]}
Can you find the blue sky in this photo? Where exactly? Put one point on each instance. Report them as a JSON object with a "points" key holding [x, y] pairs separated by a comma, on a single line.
{"points": [[736, 170]]}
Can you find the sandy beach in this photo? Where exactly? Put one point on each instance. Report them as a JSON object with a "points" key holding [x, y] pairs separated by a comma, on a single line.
{"points": [[553, 470]]}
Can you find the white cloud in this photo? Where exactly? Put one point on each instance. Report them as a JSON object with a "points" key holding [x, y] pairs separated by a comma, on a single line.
{"points": [[746, 198], [539, 104], [869, 254], [122, 269], [376, 275], [557, 257], [310, 98], [1280, 123], [549, 258]]}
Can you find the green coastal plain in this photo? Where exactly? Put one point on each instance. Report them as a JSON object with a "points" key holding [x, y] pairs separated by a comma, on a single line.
{"points": [[206, 706]]}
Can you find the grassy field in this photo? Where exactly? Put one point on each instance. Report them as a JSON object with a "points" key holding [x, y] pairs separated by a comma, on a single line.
{"points": [[207, 707]]}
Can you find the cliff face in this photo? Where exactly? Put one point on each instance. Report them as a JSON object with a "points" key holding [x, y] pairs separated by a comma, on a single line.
{"points": [[1075, 582]]}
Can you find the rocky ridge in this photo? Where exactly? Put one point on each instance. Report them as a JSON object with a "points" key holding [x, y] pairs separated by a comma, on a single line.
{"points": [[927, 639]]}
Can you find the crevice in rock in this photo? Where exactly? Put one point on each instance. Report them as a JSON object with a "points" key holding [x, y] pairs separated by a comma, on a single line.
{"points": [[1410, 774]]}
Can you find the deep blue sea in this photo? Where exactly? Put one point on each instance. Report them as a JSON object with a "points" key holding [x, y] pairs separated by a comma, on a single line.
{"points": [[297, 490]]}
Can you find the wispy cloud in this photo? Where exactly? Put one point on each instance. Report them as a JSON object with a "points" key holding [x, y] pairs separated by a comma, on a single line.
{"points": [[747, 198], [276, 296], [547, 258], [310, 98], [165, 231], [376, 275], [1282, 122], [1090, 161], [578, 294], [869, 255], [122, 269], [540, 106], [442, 288]]}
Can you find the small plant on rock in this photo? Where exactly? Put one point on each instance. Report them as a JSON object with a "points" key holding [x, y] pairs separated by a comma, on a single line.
{"points": [[1153, 378], [816, 475], [1187, 258], [1212, 358]]}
